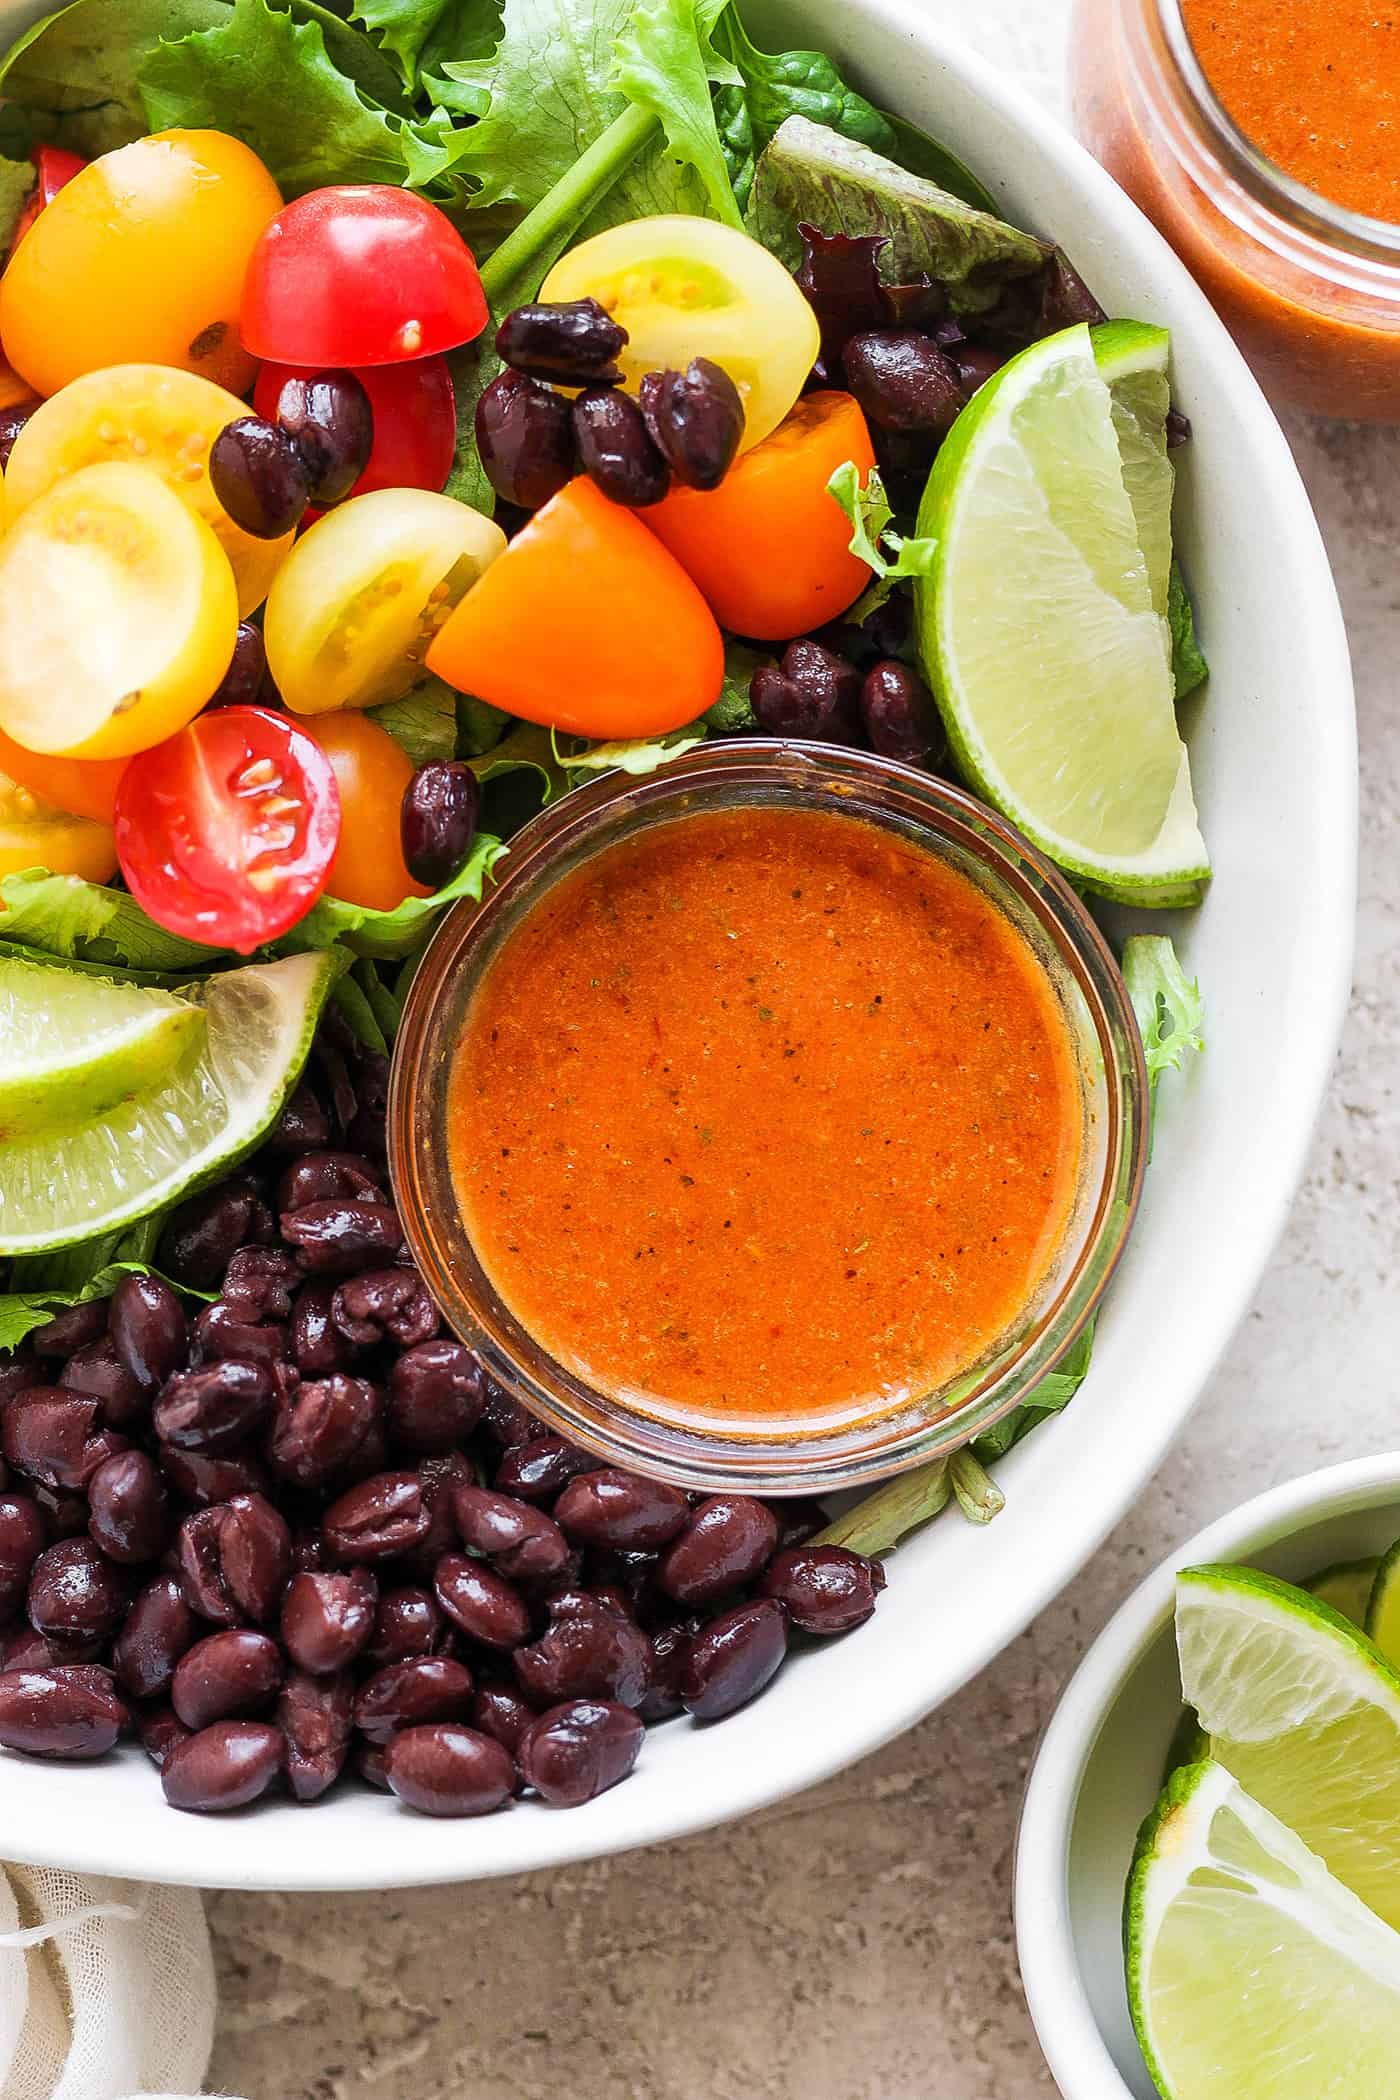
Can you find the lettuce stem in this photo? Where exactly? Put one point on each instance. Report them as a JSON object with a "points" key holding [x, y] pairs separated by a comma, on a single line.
{"points": [[563, 209]]}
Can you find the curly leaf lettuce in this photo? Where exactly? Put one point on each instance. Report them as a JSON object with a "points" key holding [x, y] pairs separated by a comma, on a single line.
{"points": [[88, 923], [1189, 667], [665, 63], [388, 935], [74, 72], [890, 555], [1168, 1005], [423, 721]]}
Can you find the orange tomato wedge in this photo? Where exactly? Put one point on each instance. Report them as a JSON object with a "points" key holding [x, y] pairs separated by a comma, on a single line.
{"points": [[587, 624], [769, 548], [83, 787]]}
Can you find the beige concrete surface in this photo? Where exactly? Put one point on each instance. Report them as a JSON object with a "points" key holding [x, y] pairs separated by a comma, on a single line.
{"points": [[856, 1943]]}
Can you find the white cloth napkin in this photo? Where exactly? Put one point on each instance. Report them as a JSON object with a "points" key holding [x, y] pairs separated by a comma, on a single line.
{"points": [[106, 1988]]}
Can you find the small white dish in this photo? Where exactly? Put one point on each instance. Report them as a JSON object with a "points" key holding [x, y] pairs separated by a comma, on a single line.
{"points": [[1273, 753], [1101, 1761]]}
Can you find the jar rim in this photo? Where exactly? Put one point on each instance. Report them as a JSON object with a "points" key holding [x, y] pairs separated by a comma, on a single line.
{"points": [[584, 821], [1307, 210]]}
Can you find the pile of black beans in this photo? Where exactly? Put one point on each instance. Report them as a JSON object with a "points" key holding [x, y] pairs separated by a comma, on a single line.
{"points": [[298, 1532], [684, 427]]}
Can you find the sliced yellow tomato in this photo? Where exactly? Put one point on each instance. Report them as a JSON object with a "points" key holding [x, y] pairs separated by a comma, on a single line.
{"points": [[142, 255], [159, 418], [35, 835], [686, 288], [117, 615], [362, 594]]}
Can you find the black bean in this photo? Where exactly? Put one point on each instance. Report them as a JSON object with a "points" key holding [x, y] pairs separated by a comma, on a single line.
{"points": [[519, 1540], [130, 1517], [331, 425], [228, 1674], [204, 1233], [725, 1545], [303, 1124], [975, 365], [447, 1770], [224, 1766], [323, 1427], [214, 1408], [22, 1540], [408, 1621], [903, 380], [486, 1607], [900, 717], [219, 1333], [255, 1555], [438, 819], [327, 1618], [813, 694], [157, 1630], [99, 1370], [696, 419], [74, 1593], [572, 341], [616, 450], [318, 1347], [70, 1329], [382, 1304], [501, 1712], [258, 1284], [609, 1507], [586, 1653], [258, 476], [329, 1177], [578, 1750], [315, 1717], [199, 1564], [525, 440], [337, 1238], [197, 1477], [824, 1589], [537, 1471], [505, 1420], [436, 1396], [729, 1661], [158, 1731], [148, 1329], [669, 1647], [242, 683], [406, 1694], [54, 1436], [60, 1712], [378, 1518]]}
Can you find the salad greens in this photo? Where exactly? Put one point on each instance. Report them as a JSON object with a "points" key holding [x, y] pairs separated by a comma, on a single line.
{"points": [[535, 123]]}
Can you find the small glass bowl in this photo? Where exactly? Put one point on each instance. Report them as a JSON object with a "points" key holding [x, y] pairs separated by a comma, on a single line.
{"points": [[780, 1458]]}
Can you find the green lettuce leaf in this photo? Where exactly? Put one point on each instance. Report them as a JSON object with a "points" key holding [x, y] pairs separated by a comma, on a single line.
{"points": [[404, 28], [473, 367], [74, 73], [889, 554], [806, 84], [1189, 667], [926, 156], [638, 756], [811, 174], [665, 63], [271, 81], [63, 915], [390, 934], [1168, 1004], [480, 726], [733, 711], [16, 181], [424, 721], [1050, 1397]]}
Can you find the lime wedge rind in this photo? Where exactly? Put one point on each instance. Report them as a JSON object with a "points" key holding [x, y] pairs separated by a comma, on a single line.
{"points": [[1346, 1585], [1253, 1974], [75, 1047], [148, 1151], [1382, 1613], [1039, 633], [1305, 1711]]}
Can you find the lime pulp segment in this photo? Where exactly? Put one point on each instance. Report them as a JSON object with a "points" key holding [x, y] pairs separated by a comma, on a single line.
{"points": [[75, 1046]]}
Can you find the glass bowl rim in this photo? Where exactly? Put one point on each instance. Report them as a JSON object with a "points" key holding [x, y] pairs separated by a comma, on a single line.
{"points": [[704, 1460]]}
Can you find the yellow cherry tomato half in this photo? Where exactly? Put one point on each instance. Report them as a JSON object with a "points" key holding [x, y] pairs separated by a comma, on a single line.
{"points": [[35, 835], [371, 770], [686, 288], [158, 418], [355, 605], [141, 256], [117, 615]]}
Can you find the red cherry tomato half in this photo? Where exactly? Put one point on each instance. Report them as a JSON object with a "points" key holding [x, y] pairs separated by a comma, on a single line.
{"points": [[360, 274], [415, 420], [226, 832], [55, 166]]}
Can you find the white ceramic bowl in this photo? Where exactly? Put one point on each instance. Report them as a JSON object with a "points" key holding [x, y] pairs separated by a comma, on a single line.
{"points": [[1273, 754], [1100, 1767]]}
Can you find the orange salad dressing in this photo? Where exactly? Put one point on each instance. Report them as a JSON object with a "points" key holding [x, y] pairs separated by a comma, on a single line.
{"points": [[765, 1113]]}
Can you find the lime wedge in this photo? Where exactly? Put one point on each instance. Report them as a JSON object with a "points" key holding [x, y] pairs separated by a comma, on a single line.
{"points": [[1304, 1711], [77, 1045], [1039, 633], [1382, 1611], [1252, 1973], [1346, 1586], [1132, 357], [195, 1119]]}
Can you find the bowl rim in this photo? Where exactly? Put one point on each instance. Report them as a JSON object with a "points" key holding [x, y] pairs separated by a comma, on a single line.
{"points": [[1068, 2032], [224, 1853]]}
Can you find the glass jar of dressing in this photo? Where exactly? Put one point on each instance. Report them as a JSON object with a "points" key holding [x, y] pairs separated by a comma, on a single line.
{"points": [[1264, 141]]}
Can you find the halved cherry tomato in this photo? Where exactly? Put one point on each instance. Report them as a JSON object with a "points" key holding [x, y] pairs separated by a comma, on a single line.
{"points": [[82, 787], [585, 622], [117, 615], [140, 257], [160, 418], [360, 274], [54, 166], [226, 832], [371, 771], [360, 596], [769, 548], [415, 420], [686, 288], [35, 835]]}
